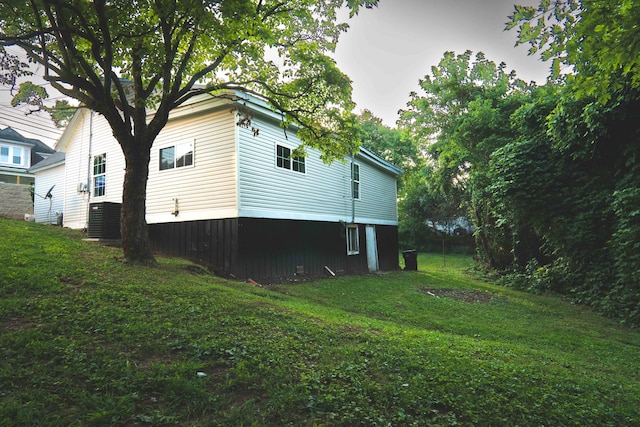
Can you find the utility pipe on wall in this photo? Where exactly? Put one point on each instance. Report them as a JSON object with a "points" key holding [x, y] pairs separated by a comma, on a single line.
{"points": [[89, 167]]}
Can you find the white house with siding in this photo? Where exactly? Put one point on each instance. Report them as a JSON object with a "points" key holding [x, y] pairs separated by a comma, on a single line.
{"points": [[48, 200], [238, 201], [18, 154]]}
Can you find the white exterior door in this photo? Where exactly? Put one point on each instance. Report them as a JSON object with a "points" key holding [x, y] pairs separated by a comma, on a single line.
{"points": [[372, 248]]}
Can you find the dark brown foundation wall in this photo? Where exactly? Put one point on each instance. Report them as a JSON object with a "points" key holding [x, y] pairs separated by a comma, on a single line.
{"points": [[268, 250]]}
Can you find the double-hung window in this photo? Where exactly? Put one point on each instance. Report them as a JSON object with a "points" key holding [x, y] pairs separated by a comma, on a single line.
{"points": [[12, 155], [353, 239], [285, 161], [355, 181], [176, 156], [100, 175]]}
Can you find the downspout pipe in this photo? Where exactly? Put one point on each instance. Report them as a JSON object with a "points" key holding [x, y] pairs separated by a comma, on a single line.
{"points": [[89, 168], [353, 199]]}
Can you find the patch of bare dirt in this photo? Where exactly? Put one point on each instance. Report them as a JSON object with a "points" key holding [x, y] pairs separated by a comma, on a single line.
{"points": [[13, 324], [470, 296]]}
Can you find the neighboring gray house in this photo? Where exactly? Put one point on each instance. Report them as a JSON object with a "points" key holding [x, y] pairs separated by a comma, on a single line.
{"points": [[234, 200], [18, 154]]}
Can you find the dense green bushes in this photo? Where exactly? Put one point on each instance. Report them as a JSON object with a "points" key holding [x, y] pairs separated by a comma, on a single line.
{"points": [[550, 182], [582, 205]]}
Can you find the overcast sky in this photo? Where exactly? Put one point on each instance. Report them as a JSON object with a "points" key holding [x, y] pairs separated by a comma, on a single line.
{"points": [[389, 48]]}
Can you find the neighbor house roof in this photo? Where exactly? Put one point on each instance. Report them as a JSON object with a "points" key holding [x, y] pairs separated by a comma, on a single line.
{"points": [[39, 150], [53, 160], [10, 135]]}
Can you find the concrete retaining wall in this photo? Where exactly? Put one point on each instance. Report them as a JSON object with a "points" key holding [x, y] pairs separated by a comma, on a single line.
{"points": [[15, 200]]}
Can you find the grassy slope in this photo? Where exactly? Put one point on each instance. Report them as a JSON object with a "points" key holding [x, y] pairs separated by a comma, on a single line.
{"points": [[86, 340]]}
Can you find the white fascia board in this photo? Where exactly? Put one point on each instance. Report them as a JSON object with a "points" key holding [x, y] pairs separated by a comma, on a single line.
{"points": [[47, 167], [302, 216], [198, 215], [205, 103], [20, 143], [76, 120], [16, 171], [209, 102], [378, 161], [259, 106]]}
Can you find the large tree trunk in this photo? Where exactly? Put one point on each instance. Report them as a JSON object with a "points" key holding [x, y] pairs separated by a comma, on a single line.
{"points": [[133, 224], [482, 240]]}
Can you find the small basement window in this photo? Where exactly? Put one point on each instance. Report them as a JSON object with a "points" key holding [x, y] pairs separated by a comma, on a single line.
{"points": [[353, 239]]}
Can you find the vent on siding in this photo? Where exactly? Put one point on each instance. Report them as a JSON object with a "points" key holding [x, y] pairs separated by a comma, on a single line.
{"points": [[104, 220]]}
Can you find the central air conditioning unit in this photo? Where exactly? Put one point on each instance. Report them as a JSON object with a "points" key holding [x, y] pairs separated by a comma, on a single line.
{"points": [[104, 220]]}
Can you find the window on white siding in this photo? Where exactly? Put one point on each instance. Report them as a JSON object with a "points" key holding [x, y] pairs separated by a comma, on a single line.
{"points": [[176, 156], [12, 155], [99, 175], [285, 161], [355, 181], [353, 240]]}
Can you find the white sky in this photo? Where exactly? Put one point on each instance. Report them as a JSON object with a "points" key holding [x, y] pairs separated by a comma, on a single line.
{"points": [[389, 48], [385, 52]]}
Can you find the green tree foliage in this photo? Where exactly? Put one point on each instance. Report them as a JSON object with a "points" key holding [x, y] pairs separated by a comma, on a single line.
{"points": [[34, 96], [583, 142], [597, 40], [414, 206], [550, 174], [11, 68], [567, 187], [388, 143], [125, 58], [462, 117], [422, 204]]}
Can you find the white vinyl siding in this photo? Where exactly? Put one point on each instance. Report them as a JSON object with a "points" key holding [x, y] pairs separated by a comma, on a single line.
{"points": [[80, 150], [45, 179], [234, 173], [322, 193], [271, 192], [378, 195], [206, 189]]}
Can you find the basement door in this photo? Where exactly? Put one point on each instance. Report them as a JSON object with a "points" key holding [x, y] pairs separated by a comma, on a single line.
{"points": [[372, 248]]}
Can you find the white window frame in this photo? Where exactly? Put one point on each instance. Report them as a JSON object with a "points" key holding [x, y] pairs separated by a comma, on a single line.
{"points": [[181, 151], [99, 170], [285, 160], [12, 151], [355, 181], [352, 234]]}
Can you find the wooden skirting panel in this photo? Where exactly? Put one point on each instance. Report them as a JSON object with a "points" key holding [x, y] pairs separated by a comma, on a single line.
{"points": [[268, 250]]}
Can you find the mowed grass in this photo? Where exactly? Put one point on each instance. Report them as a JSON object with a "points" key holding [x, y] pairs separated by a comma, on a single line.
{"points": [[88, 340]]}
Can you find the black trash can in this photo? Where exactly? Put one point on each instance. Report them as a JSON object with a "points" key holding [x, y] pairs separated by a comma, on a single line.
{"points": [[410, 259]]}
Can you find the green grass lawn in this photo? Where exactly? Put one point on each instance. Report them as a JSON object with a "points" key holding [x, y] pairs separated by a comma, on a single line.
{"points": [[87, 340]]}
